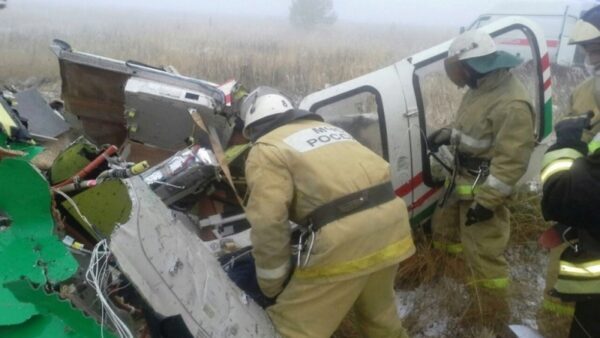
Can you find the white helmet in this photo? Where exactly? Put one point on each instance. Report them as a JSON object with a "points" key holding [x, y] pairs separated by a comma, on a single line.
{"points": [[587, 28], [261, 103], [471, 44]]}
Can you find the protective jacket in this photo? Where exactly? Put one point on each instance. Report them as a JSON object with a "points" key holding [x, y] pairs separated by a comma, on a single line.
{"points": [[571, 186], [493, 127], [560, 197], [299, 167]]}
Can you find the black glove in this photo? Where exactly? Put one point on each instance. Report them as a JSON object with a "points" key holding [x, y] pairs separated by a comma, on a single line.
{"points": [[478, 213], [439, 138], [569, 132]]}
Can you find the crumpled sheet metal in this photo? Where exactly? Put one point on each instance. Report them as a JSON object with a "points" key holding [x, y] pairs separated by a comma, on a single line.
{"points": [[104, 205], [43, 121], [176, 273], [28, 248], [93, 90]]}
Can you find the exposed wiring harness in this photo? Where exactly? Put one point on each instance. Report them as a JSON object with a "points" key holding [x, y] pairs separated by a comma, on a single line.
{"points": [[98, 277]]}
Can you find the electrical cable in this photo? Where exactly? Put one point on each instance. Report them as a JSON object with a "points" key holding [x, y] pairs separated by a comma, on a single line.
{"points": [[97, 276]]}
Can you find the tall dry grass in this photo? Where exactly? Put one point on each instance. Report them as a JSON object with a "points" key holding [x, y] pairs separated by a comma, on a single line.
{"points": [[255, 51]]}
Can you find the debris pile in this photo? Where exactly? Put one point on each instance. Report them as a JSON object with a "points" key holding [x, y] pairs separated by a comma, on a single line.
{"points": [[116, 234]]}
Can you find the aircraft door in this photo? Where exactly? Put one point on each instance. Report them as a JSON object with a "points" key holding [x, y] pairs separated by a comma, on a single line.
{"points": [[372, 109]]}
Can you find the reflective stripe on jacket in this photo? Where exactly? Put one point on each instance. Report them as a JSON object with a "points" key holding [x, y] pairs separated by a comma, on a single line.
{"points": [[579, 272], [494, 122], [305, 164], [557, 161]]}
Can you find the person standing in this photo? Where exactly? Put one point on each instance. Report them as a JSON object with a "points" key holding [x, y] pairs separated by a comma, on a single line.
{"points": [[491, 138]]}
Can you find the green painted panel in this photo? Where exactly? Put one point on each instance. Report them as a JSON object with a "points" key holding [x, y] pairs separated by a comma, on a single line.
{"points": [[31, 149], [547, 118], [423, 215], [28, 248], [55, 317], [19, 258], [71, 160], [38, 327], [13, 311], [104, 205]]}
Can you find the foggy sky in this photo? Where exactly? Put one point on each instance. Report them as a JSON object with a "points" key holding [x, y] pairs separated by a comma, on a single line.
{"points": [[424, 12]]}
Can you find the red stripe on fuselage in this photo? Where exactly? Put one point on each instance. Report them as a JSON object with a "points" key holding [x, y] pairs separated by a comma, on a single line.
{"points": [[547, 83], [525, 42], [423, 199], [545, 62], [409, 186]]}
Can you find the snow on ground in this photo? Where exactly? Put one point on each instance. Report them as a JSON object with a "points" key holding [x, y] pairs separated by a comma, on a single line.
{"points": [[434, 309]]}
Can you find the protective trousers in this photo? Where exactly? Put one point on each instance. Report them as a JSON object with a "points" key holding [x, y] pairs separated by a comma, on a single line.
{"points": [[585, 320], [308, 309], [555, 316], [483, 243]]}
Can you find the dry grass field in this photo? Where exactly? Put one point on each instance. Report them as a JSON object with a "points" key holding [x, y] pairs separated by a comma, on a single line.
{"points": [[266, 51], [270, 52]]}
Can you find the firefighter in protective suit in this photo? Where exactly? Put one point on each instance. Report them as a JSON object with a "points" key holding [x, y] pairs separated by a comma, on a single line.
{"points": [[571, 195], [584, 102], [491, 138], [354, 231]]}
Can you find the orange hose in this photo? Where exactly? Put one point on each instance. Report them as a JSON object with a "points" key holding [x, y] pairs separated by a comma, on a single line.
{"points": [[111, 150]]}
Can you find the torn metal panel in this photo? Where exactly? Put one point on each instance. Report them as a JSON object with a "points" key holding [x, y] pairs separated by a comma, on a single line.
{"points": [[44, 122], [176, 273], [25, 151], [15, 140], [28, 248], [187, 173], [7, 122], [74, 158], [158, 114], [104, 205], [137, 152], [95, 96], [93, 89], [34, 252]]}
